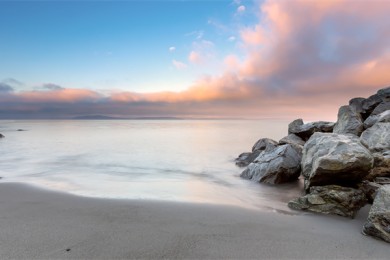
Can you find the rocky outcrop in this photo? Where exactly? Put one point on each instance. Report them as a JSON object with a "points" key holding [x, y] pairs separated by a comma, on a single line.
{"points": [[357, 104], [377, 137], [277, 166], [383, 117], [348, 122], [334, 159], [381, 166], [292, 139], [370, 189], [304, 131], [245, 159], [344, 165], [382, 107], [378, 222], [264, 144], [331, 199]]}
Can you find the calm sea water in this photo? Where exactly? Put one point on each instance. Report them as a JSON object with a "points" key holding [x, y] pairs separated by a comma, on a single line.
{"points": [[176, 160]]}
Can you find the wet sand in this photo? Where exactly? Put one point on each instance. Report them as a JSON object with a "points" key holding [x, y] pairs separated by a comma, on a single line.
{"points": [[42, 224]]}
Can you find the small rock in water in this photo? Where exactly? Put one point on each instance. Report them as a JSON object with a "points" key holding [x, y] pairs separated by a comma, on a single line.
{"points": [[2, 136]]}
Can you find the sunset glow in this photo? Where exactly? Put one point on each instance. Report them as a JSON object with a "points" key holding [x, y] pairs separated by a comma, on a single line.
{"points": [[250, 59]]}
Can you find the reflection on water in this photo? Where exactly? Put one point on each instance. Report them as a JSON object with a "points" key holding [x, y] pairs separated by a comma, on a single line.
{"points": [[186, 160]]}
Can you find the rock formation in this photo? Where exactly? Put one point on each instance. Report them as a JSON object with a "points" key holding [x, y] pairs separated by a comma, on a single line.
{"points": [[343, 165]]}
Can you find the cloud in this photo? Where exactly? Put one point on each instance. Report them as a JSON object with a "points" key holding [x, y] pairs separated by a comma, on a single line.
{"points": [[231, 39], [300, 58], [172, 49], [4, 88], [241, 9], [51, 86], [203, 52], [179, 65]]}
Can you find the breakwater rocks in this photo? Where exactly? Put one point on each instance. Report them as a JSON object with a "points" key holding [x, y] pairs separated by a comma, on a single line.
{"points": [[344, 165]]}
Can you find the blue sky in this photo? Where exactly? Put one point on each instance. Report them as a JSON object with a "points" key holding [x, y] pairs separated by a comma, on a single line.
{"points": [[107, 44], [234, 58]]}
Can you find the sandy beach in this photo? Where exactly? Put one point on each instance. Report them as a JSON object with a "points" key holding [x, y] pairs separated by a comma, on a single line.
{"points": [[43, 224]]}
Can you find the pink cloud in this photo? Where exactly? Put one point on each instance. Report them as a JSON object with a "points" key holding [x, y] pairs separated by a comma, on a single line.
{"points": [[302, 58]]}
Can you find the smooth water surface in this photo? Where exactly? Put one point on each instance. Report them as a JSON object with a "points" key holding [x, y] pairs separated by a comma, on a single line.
{"points": [[179, 160]]}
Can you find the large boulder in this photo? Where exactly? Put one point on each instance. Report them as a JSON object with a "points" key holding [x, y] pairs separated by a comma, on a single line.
{"points": [[264, 144], [334, 159], [280, 165], [357, 104], [383, 117], [384, 94], [348, 122], [245, 159], [304, 131], [331, 199], [377, 137], [292, 139], [381, 166], [378, 221], [382, 107], [370, 103], [370, 189]]}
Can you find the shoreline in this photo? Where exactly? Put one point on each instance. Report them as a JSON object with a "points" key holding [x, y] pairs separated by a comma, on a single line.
{"points": [[44, 224]]}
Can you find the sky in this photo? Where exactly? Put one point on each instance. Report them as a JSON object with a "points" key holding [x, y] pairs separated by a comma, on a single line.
{"points": [[233, 58]]}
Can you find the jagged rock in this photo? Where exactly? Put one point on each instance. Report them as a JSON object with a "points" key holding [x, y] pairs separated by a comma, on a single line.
{"points": [[370, 189], [245, 159], [280, 165], [382, 107], [382, 180], [377, 137], [383, 117], [334, 159], [384, 94], [378, 221], [331, 199], [264, 144], [357, 104], [381, 167], [292, 139], [348, 122], [370, 103], [304, 131], [294, 126]]}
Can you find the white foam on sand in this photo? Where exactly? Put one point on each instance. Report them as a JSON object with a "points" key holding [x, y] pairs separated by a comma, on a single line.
{"points": [[42, 224]]}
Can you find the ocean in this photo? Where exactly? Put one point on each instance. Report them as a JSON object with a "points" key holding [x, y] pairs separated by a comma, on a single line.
{"points": [[172, 160]]}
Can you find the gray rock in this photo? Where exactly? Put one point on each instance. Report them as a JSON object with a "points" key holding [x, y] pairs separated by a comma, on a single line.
{"points": [[2, 136], [357, 104], [377, 137], [381, 167], [334, 159], [383, 117], [348, 122], [331, 199], [370, 189], [370, 103], [264, 144], [384, 94], [292, 139], [382, 107], [280, 165], [378, 221], [294, 126], [245, 159], [304, 131]]}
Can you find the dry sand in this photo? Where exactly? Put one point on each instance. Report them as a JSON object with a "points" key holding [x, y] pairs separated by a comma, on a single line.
{"points": [[41, 224]]}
